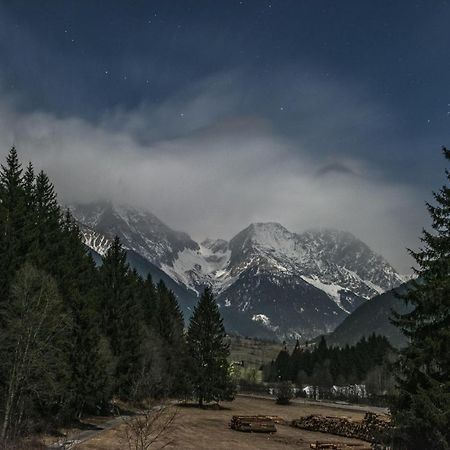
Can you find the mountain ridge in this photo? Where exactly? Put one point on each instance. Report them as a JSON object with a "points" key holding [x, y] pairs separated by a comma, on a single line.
{"points": [[319, 276]]}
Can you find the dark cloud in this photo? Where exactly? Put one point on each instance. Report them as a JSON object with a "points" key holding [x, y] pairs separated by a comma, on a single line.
{"points": [[335, 168], [212, 171]]}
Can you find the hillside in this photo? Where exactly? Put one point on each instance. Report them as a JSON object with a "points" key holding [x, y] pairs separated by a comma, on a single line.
{"points": [[372, 317]]}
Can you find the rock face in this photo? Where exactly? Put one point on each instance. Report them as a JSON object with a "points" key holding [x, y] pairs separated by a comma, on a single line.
{"points": [[268, 281]]}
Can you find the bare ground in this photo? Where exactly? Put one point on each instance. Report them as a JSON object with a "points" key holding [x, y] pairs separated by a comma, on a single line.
{"points": [[208, 429]]}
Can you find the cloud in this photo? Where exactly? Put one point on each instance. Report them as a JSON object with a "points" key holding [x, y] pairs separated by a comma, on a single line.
{"points": [[335, 168], [206, 163]]}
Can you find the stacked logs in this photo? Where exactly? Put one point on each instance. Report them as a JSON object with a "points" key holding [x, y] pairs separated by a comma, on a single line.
{"points": [[371, 429], [339, 446], [257, 424]]}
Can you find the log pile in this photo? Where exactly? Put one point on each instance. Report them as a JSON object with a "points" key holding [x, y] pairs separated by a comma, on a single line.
{"points": [[339, 446], [371, 429], [256, 424]]}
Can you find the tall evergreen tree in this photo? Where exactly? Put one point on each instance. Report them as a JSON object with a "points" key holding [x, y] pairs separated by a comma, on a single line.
{"points": [[122, 321], [169, 325], [209, 352], [89, 384], [422, 409], [12, 223]]}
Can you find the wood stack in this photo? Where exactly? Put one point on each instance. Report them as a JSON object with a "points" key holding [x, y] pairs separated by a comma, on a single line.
{"points": [[338, 446], [371, 429], [256, 424]]}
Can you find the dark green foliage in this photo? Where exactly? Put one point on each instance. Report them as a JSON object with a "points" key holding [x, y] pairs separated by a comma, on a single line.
{"points": [[121, 317], [285, 393], [421, 410], [97, 331], [324, 366], [12, 223], [169, 325], [209, 367]]}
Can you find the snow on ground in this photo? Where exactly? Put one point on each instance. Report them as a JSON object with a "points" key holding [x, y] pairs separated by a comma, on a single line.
{"points": [[332, 290]]}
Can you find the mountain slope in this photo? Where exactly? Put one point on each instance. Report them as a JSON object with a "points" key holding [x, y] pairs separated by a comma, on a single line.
{"points": [[98, 244], [284, 283], [372, 317], [140, 231]]}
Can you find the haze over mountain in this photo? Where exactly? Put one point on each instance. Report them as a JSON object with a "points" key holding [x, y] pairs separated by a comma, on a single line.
{"points": [[268, 280]]}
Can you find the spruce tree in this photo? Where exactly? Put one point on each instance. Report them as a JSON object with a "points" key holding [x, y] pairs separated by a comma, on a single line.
{"points": [[121, 318], [169, 325], [209, 352], [89, 384], [421, 410], [12, 221]]}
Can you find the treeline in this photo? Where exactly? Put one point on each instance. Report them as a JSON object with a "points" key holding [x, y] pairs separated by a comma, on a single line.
{"points": [[73, 335], [325, 366]]}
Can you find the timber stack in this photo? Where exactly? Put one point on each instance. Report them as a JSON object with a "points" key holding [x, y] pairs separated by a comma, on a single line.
{"points": [[256, 424], [373, 428]]}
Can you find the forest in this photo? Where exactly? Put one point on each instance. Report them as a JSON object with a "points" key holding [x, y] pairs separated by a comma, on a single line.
{"points": [[74, 335], [368, 362]]}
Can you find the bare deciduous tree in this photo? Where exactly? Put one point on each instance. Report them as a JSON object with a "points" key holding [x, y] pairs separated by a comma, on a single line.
{"points": [[148, 429], [34, 323]]}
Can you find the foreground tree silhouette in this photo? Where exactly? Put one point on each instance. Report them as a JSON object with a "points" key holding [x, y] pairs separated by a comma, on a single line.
{"points": [[209, 367], [421, 410]]}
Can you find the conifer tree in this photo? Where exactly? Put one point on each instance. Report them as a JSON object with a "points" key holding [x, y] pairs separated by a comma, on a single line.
{"points": [[421, 410], [89, 382], [48, 221], [169, 325], [12, 221], [282, 365], [209, 352], [122, 321]]}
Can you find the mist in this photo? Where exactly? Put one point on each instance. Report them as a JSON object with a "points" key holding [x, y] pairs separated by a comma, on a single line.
{"points": [[205, 162]]}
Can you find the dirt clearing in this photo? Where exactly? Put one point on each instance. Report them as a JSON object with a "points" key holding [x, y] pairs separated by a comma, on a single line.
{"points": [[208, 429]]}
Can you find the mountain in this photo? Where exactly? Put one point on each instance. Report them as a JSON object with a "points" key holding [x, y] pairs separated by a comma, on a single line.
{"points": [[138, 230], [98, 244], [372, 317], [268, 280]]}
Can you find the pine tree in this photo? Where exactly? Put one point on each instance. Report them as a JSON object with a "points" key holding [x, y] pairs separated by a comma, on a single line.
{"points": [[421, 410], [209, 352], [121, 318], [48, 221], [169, 325], [89, 382], [12, 221], [282, 365]]}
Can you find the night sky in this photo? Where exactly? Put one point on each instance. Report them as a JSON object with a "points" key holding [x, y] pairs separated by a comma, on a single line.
{"points": [[355, 93]]}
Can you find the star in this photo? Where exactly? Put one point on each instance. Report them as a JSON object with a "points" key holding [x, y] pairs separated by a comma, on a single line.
{"points": [[281, 108], [181, 114]]}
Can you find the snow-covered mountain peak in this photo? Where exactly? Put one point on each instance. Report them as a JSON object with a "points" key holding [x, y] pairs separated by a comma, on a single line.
{"points": [[215, 245], [138, 230], [310, 280]]}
